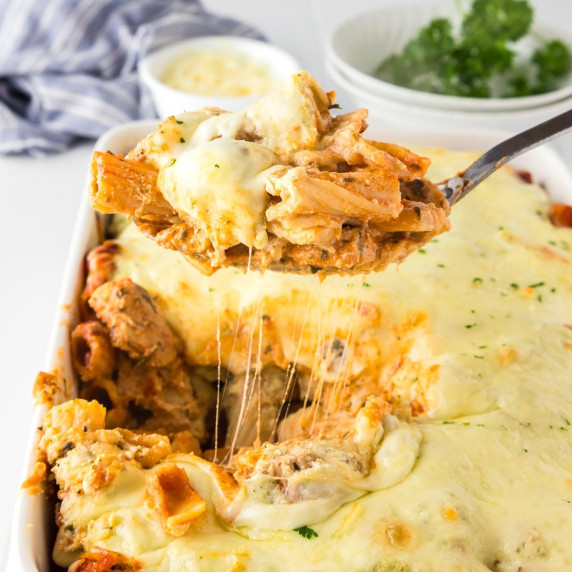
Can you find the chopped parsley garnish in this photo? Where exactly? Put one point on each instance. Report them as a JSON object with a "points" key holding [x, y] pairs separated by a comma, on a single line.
{"points": [[514, 286], [216, 166], [477, 280], [173, 161], [421, 251], [179, 122], [469, 326], [182, 139], [537, 285], [306, 532]]}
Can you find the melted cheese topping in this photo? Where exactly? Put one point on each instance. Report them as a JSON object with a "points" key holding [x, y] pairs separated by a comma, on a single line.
{"points": [[488, 308], [224, 72], [220, 183]]}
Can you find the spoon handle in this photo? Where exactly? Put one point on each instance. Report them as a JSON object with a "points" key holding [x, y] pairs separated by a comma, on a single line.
{"points": [[457, 187]]}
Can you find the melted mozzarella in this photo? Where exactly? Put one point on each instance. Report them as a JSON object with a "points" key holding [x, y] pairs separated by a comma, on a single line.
{"points": [[219, 184]]}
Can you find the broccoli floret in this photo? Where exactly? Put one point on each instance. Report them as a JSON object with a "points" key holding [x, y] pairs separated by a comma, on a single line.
{"points": [[426, 62], [552, 61], [496, 21]]}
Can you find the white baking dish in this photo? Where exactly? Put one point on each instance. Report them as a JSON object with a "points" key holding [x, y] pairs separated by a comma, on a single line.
{"points": [[32, 531]]}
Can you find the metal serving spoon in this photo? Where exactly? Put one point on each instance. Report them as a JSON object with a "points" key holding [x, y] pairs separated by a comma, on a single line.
{"points": [[459, 185]]}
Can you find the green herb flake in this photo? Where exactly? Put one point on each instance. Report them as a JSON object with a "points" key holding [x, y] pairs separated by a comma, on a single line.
{"points": [[537, 285], [479, 357], [469, 326], [525, 450], [182, 140], [216, 166], [477, 280], [440, 266], [366, 285], [422, 251], [172, 162], [514, 286], [306, 532], [448, 423], [566, 500], [480, 424], [179, 122]]}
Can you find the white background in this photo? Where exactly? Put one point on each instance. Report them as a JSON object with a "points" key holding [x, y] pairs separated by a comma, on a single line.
{"points": [[41, 197]]}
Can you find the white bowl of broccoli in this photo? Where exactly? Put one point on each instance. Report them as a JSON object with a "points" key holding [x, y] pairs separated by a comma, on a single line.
{"points": [[490, 56]]}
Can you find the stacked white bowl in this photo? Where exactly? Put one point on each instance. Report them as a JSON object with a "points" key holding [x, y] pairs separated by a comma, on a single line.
{"points": [[357, 47]]}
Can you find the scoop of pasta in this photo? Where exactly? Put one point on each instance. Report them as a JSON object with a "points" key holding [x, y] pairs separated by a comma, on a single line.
{"points": [[282, 185]]}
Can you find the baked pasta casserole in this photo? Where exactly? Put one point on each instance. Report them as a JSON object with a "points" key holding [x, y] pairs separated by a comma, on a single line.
{"points": [[412, 420]]}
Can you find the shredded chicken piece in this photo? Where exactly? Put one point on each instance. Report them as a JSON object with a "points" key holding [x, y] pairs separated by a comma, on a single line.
{"points": [[288, 471], [135, 325]]}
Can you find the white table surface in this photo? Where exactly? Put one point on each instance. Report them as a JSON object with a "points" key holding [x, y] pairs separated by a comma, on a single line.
{"points": [[42, 196]]}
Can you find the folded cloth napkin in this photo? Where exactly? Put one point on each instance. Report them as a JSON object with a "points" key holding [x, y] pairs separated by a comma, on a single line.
{"points": [[68, 68]]}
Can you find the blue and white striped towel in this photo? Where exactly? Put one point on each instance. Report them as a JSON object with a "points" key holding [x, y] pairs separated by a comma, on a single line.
{"points": [[68, 67]]}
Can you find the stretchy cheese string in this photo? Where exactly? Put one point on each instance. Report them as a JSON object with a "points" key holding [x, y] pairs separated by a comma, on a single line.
{"points": [[292, 368], [218, 382], [245, 390]]}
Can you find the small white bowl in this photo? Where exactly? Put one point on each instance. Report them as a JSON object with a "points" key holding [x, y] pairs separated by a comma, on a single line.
{"points": [[409, 116], [359, 45], [170, 101]]}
